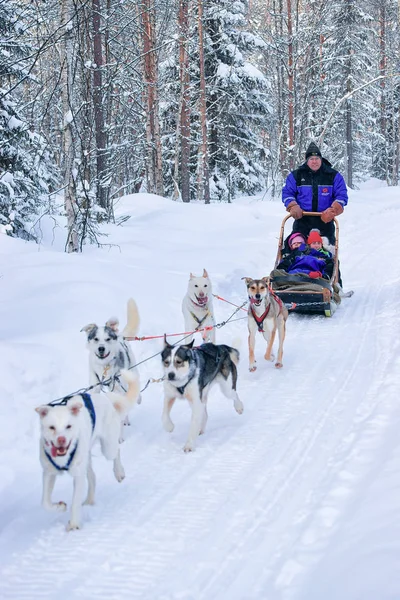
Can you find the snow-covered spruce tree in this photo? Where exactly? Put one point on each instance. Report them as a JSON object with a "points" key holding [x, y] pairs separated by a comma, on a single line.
{"points": [[237, 107], [237, 101], [348, 63], [26, 169]]}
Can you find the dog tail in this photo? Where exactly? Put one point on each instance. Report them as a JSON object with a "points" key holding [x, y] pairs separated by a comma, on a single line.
{"points": [[133, 320], [124, 402], [235, 355]]}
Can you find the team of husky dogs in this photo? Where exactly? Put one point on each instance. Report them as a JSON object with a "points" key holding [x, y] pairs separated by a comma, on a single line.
{"points": [[70, 427]]}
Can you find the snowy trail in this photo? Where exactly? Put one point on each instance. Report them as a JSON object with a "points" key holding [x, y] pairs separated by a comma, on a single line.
{"points": [[264, 494]]}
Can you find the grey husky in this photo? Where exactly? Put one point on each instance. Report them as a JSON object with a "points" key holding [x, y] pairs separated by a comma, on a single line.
{"points": [[190, 373], [109, 353]]}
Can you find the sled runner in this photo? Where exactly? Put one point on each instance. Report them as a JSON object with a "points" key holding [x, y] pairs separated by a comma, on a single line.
{"points": [[298, 291]]}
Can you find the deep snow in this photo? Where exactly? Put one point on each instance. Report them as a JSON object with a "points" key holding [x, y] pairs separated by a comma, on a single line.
{"points": [[297, 499]]}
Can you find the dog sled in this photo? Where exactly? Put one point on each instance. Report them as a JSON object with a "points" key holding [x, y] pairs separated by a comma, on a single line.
{"points": [[300, 293]]}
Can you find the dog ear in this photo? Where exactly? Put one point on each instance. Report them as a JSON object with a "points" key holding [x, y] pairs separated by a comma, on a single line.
{"points": [[265, 279], [166, 345], [89, 327], [190, 345], [248, 280], [113, 323], [205, 274], [192, 276], [42, 410], [75, 407]]}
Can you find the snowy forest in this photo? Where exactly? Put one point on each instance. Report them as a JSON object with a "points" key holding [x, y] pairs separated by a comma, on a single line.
{"points": [[191, 100]]}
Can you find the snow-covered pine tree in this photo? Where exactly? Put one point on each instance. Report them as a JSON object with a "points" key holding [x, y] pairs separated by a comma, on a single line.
{"points": [[27, 172], [237, 101], [347, 64], [237, 106]]}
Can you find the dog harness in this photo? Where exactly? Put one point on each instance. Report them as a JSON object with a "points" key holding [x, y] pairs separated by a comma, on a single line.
{"points": [[89, 405], [192, 372], [200, 321], [260, 320], [109, 382], [218, 359]]}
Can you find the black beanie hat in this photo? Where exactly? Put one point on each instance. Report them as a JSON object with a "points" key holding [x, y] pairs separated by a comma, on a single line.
{"points": [[313, 150]]}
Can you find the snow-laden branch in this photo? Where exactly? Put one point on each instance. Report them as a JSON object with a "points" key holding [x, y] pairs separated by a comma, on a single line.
{"points": [[349, 95]]}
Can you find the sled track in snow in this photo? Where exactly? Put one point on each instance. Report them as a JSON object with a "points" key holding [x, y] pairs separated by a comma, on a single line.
{"points": [[168, 512]]}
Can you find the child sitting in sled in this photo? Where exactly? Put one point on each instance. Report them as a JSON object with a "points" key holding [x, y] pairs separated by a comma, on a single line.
{"points": [[310, 259]]}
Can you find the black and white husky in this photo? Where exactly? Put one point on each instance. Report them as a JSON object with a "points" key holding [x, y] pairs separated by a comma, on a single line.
{"points": [[190, 373], [109, 352]]}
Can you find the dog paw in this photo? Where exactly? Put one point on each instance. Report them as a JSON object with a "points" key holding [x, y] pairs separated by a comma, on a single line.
{"points": [[119, 475], [188, 448], [72, 525], [89, 502], [239, 407], [168, 426], [253, 368], [270, 358], [278, 365], [56, 506]]}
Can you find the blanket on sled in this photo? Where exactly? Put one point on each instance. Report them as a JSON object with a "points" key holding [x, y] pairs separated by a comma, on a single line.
{"points": [[282, 281]]}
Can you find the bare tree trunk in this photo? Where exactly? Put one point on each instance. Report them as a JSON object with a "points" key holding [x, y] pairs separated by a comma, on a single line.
{"points": [[184, 104], [153, 137], [70, 204], [349, 134], [290, 85], [203, 188], [98, 108], [382, 156]]}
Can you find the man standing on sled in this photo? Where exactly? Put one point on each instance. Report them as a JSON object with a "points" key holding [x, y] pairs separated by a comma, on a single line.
{"points": [[315, 187]]}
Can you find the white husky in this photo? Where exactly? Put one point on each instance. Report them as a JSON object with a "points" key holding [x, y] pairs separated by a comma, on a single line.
{"points": [[197, 307], [68, 431]]}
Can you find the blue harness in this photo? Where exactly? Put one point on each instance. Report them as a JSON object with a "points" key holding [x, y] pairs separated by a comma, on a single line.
{"points": [[89, 405]]}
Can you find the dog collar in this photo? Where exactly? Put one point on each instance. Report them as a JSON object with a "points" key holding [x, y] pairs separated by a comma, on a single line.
{"points": [[65, 467]]}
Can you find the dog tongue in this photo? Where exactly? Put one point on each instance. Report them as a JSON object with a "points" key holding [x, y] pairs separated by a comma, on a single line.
{"points": [[53, 451]]}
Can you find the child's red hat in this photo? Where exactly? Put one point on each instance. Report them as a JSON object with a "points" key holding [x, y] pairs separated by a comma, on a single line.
{"points": [[314, 236]]}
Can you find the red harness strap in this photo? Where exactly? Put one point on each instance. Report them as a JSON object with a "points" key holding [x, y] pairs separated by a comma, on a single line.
{"points": [[278, 300], [260, 320]]}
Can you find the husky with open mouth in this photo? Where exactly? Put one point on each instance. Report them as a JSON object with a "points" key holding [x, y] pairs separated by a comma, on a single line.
{"points": [[190, 373], [268, 315], [109, 352], [68, 430], [197, 307]]}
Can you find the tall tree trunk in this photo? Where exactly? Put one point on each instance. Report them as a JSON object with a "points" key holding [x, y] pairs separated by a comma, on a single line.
{"points": [[382, 154], [290, 86], [153, 137], [349, 134], [98, 109], [203, 188], [70, 204], [184, 104]]}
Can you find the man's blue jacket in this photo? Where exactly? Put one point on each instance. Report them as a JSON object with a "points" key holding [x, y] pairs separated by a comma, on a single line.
{"points": [[315, 190]]}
